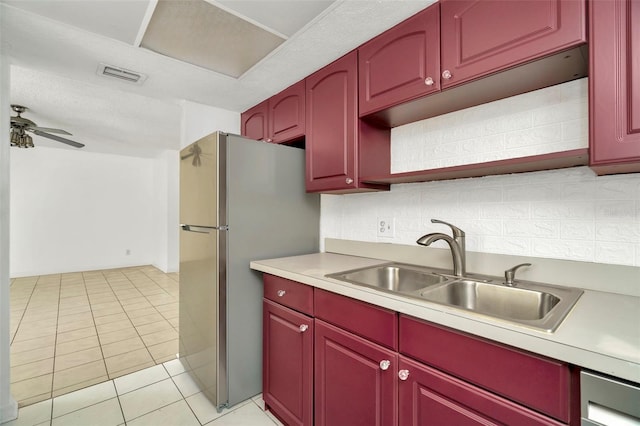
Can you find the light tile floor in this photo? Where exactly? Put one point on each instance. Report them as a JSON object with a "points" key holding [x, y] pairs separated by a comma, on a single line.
{"points": [[159, 395], [73, 330]]}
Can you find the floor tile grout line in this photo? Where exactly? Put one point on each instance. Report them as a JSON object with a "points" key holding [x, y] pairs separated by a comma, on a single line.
{"points": [[132, 324], [23, 312], [55, 345], [84, 363], [136, 327], [183, 396]]}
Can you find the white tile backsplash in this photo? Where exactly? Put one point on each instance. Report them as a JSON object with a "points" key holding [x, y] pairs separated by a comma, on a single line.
{"points": [[548, 120], [566, 214]]}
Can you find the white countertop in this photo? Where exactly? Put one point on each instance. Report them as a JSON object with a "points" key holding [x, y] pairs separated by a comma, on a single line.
{"points": [[601, 333]]}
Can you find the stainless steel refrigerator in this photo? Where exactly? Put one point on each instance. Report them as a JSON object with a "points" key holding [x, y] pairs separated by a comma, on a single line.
{"points": [[240, 200]]}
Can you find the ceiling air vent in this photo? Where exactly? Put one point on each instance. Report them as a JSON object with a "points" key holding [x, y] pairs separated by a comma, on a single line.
{"points": [[121, 74]]}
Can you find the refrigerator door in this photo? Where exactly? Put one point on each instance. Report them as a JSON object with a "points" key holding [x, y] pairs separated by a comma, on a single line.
{"points": [[202, 251], [269, 215]]}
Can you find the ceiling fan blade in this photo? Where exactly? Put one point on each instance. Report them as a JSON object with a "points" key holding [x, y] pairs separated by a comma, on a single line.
{"points": [[49, 130], [58, 138]]}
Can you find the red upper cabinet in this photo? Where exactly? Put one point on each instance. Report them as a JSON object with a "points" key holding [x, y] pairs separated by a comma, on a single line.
{"points": [[480, 37], [335, 134], [401, 64], [279, 119], [254, 123], [286, 114], [614, 86]]}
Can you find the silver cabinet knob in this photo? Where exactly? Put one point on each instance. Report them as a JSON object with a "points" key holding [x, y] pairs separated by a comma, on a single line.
{"points": [[446, 74], [384, 364], [403, 374], [349, 181], [428, 81], [281, 293], [303, 327]]}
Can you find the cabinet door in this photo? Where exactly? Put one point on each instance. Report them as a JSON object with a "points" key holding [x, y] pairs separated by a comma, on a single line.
{"points": [[331, 145], [402, 63], [614, 83], [286, 114], [352, 387], [288, 363], [480, 37], [254, 124], [429, 397], [529, 379]]}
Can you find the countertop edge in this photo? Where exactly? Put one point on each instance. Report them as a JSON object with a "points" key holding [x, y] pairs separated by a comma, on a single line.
{"points": [[546, 344]]}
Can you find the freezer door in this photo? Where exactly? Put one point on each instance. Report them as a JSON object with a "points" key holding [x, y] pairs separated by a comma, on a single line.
{"points": [[199, 182]]}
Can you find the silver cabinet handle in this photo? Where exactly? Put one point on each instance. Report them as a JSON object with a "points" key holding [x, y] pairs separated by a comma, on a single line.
{"points": [[385, 364], [446, 74], [303, 327], [269, 140], [428, 81], [403, 374], [281, 293], [349, 181]]}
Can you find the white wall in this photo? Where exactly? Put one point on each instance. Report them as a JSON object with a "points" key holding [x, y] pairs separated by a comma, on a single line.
{"points": [[76, 211], [8, 406], [547, 120], [199, 120], [564, 214]]}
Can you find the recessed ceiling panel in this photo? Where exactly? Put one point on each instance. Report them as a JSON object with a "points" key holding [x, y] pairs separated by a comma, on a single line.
{"points": [[285, 16], [205, 35]]}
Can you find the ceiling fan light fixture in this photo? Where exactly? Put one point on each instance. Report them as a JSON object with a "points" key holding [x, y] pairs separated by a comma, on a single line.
{"points": [[20, 125], [123, 74], [15, 138], [20, 139]]}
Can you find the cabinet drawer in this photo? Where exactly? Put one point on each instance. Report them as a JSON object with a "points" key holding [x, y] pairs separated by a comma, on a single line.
{"points": [[431, 397], [371, 322], [537, 382], [289, 293]]}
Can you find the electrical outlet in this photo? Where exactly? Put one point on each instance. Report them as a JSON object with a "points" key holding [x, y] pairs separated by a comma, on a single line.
{"points": [[386, 227]]}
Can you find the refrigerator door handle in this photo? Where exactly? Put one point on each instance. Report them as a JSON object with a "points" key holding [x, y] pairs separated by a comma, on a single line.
{"points": [[202, 229]]}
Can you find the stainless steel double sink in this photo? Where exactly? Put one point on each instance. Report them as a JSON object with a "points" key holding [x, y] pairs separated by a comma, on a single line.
{"points": [[540, 306]]}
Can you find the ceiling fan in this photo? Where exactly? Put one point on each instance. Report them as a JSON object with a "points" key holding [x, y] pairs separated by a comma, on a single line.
{"points": [[21, 125]]}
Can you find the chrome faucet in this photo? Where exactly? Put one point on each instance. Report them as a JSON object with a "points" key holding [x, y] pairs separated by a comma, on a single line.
{"points": [[456, 244]]}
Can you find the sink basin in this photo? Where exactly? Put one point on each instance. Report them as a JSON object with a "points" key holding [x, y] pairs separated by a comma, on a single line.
{"points": [[540, 306], [495, 300], [394, 278]]}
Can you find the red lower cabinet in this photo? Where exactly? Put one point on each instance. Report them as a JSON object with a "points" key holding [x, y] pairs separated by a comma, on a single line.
{"points": [[430, 397], [359, 364], [288, 363], [355, 380]]}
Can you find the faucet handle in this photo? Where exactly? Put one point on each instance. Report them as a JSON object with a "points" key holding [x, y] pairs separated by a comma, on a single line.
{"points": [[457, 232], [510, 274]]}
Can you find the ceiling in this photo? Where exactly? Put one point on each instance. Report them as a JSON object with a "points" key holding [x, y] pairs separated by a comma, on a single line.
{"points": [[56, 46]]}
